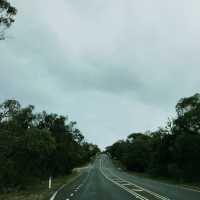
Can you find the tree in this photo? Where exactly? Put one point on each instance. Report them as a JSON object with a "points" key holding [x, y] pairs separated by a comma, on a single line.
{"points": [[186, 157], [172, 151], [8, 109], [138, 153], [7, 16], [35, 146], [188, 111]]}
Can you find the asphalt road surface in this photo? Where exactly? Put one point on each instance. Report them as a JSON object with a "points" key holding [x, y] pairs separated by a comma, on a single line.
{"points": [[103, 181]]}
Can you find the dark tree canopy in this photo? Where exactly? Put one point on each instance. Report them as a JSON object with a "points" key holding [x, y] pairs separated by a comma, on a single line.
{"points": [[7, 16], [172, 151], [34, 146]]}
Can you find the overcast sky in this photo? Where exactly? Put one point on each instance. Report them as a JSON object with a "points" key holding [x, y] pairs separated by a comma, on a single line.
{"points": [[114, 66]]}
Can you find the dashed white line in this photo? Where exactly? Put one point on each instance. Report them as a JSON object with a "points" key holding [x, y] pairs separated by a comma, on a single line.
{"points": [[148, 191], [126, 184], [133, 192], [72, 194], [138, 196], [137, 190]]}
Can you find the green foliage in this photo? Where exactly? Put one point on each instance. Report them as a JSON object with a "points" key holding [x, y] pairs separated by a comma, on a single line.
{"points": [[173, 151], [7, 14], [36, 146]]}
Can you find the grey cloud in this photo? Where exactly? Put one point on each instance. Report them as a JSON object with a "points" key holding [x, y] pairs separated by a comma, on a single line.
{"points": [[114, 66]]}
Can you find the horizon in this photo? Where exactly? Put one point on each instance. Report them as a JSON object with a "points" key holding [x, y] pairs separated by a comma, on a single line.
{"points": [[114, 69]]}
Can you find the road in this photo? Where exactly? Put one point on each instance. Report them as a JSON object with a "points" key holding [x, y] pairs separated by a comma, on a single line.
{"points": [[103, 181]]}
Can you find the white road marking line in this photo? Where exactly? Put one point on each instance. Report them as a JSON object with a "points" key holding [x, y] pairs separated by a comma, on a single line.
{"points": [[121, 186], [72, 194], [56, 192], [146, 190], [54, 195], [130, 191], [126, 184], [140, 197], [137, 190]]}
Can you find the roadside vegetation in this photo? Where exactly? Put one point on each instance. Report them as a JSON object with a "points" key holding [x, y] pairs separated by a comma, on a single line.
{"points": [[7, 17], [35, 146], [171, 152], [39, 191]]}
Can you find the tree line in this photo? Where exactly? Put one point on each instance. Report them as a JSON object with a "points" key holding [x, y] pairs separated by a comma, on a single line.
{"points": [[172, 151], [34, 146]]}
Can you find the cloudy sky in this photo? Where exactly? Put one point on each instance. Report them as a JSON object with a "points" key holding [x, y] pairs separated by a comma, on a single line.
{"points": [[114, 66]]}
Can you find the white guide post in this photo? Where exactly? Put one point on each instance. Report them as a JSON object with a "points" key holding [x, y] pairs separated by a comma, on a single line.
{"points": [[50, 182]]}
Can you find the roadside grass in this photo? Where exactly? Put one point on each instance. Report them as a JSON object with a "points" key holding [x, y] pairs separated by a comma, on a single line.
{"points": [[189, 185], [40, 191]]}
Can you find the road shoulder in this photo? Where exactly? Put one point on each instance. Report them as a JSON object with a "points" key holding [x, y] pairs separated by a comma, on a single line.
{"points": [[188, 186], [41, 191]]}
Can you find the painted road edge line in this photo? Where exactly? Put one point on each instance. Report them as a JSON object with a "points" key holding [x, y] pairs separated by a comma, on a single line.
{"points": [[144, 189], [56, 192], [122, 187]]}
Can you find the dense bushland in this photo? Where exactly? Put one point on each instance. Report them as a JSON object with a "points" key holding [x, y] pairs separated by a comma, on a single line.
{"points": [[34, 146], [172, 151]]}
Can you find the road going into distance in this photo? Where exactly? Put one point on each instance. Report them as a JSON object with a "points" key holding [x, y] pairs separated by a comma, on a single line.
{"points": [[102, 180]]}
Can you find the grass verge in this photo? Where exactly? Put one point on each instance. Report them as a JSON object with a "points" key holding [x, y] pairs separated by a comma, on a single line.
{"points": [[188, 185], [40, 191]]}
